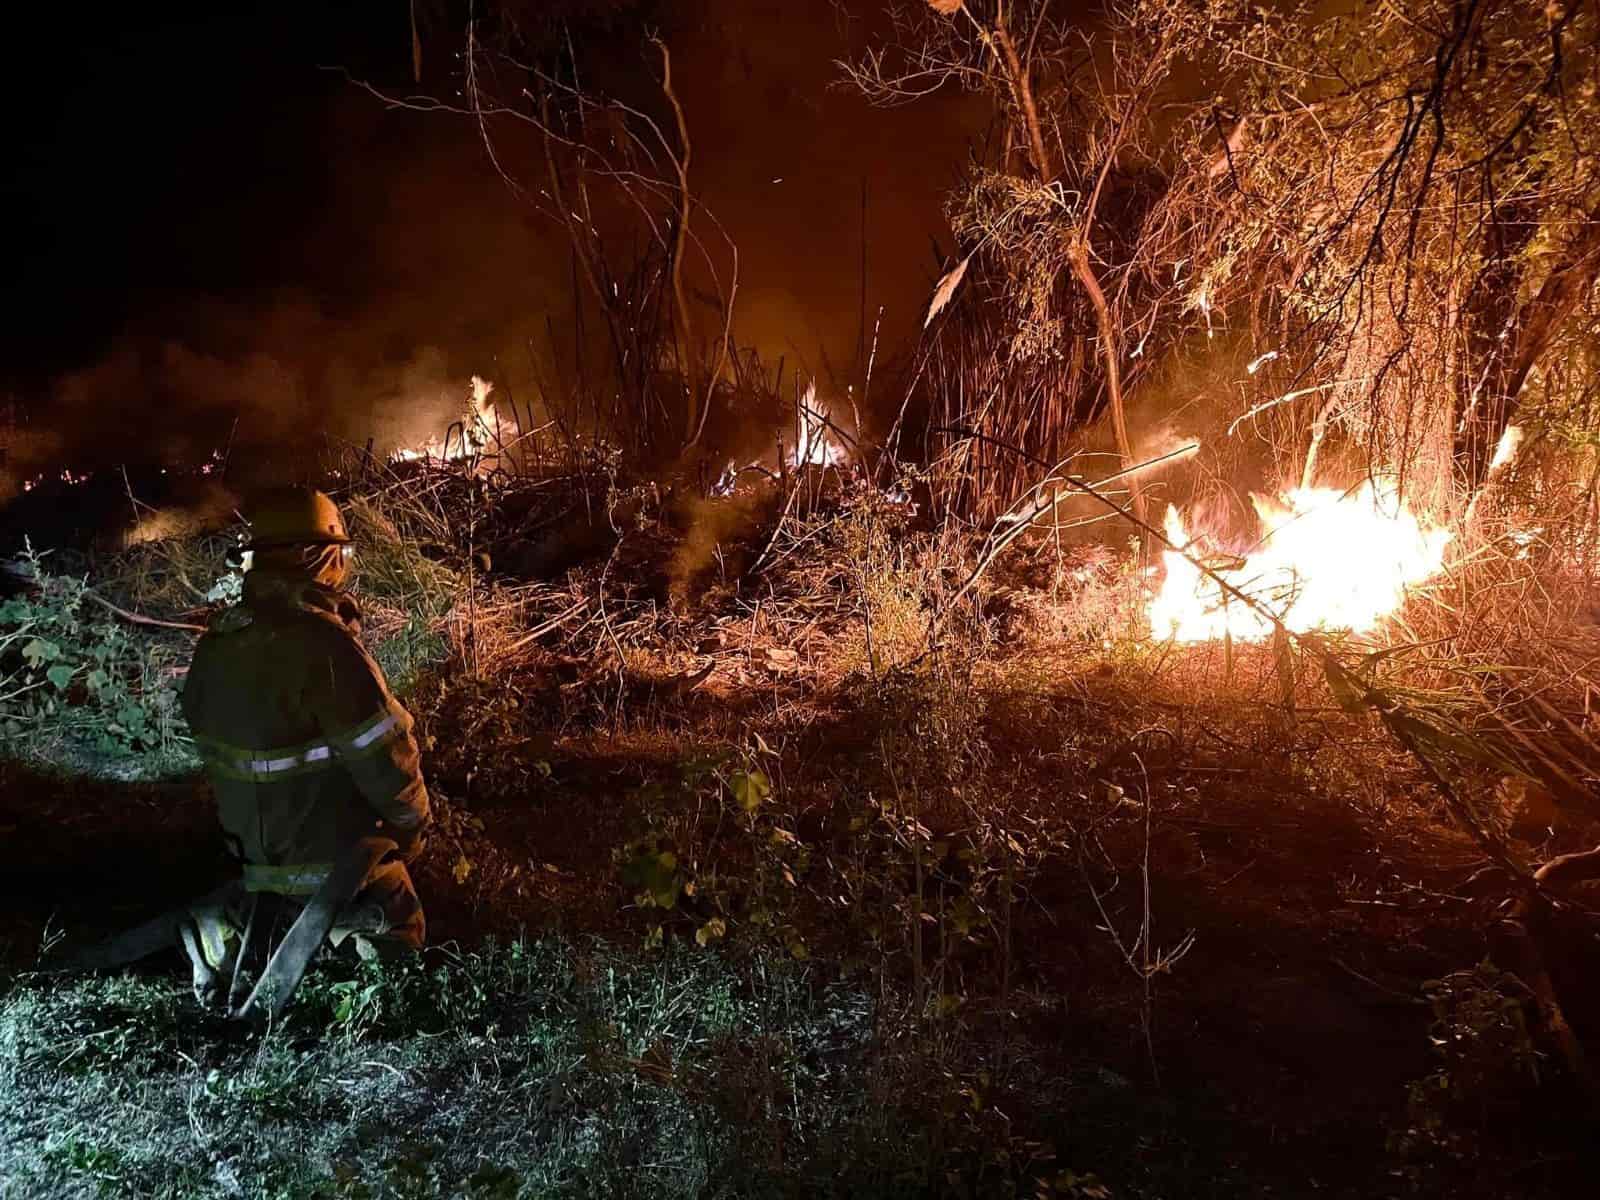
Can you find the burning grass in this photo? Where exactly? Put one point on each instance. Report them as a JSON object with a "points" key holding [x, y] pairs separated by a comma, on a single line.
{"points": [[1325, 559]]}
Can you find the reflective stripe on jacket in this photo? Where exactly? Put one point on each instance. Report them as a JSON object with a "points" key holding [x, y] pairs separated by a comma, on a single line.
{"points": [[282, 762], [306, 748]]}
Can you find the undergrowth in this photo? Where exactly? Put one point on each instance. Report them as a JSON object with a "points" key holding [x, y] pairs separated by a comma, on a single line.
{"points": [[534, 1068], [81, 686], [77, 682], [867, 825]]}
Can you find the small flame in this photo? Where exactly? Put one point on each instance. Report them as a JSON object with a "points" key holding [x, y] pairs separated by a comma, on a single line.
{"points": [[727, 481], [813, 445], [67, 476], [1327, 560], [478, 428], [1507, 449]]}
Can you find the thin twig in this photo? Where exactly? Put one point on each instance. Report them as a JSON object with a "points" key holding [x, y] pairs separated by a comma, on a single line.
{"points": [[540, 630]]}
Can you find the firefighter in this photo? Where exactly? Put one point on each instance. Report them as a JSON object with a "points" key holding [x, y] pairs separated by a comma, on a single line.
{"points": [[309, 755]]}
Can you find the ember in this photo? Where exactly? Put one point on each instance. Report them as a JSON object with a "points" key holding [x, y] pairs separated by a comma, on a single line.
{"points": [[1327, 559], [67, 476]]}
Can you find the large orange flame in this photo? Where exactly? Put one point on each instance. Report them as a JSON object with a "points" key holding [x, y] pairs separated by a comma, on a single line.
{"points": [[1327, 559]]}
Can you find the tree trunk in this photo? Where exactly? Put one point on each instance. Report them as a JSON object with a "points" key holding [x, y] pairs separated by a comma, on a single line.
{"points": [[1082, 267], [1109, 354], [1022, 87]]}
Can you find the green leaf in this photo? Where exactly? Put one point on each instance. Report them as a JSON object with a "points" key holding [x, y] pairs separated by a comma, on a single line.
{"points": [[39, 651], [96, 679], [60, 675], [653, 876], [749, 789], [965, 915]]}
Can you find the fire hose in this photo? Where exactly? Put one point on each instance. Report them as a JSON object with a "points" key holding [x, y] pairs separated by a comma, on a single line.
{"points": [[286, 966], [289, 961]]}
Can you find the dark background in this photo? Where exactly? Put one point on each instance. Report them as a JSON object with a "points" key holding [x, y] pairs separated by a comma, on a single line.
{"points": [[158, 152], [213, 235]]}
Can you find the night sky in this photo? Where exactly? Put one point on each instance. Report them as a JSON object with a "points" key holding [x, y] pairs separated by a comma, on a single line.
{"points": [[212, 230], [158, 153]]}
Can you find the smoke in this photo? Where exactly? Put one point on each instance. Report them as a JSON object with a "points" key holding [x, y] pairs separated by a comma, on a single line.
{"points": [[203, 506], [715, 532], [344, 279], [180, 404]]}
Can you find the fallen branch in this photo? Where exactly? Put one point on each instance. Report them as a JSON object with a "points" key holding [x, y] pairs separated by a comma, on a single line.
{"points": [[140, 619], [1020, 525], [788, 507]]}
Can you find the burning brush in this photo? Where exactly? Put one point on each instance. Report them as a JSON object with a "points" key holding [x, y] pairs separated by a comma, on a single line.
{"points": [[1326, 559], [478, 426], [815, 445]]}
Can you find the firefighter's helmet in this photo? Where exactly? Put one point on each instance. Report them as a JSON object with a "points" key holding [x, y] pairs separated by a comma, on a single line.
{"points": [[294, 516]]}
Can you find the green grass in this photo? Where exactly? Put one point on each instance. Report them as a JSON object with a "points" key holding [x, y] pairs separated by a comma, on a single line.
{"points": [[533, 1069]]}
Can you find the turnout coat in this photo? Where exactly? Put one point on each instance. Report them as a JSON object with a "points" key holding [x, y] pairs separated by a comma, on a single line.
{"points": [[306, 749]]}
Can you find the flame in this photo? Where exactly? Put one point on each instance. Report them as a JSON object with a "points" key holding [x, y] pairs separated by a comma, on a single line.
{"points": [[813, 445], [1327, 559], [1506, 450], [727, 481], [478, 428]]}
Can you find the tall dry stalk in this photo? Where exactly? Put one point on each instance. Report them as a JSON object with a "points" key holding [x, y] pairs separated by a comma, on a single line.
{"points": [[611, 178]]}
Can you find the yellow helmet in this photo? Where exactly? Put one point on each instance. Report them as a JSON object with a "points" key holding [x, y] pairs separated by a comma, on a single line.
{"points": [[294, 516]]}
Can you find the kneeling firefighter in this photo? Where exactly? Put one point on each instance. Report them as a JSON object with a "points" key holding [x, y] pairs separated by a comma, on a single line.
{"points": [[317, 776]]}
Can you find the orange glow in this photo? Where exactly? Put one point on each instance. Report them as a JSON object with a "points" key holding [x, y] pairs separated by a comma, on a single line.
{"points": [[1327, 559]]}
